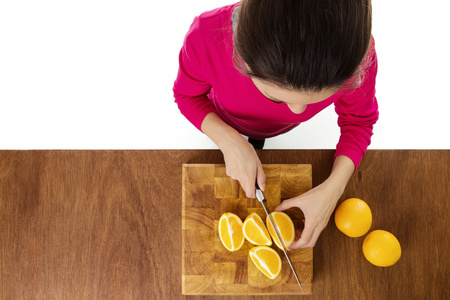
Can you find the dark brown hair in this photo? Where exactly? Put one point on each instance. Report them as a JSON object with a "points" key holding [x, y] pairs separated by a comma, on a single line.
{"points": [[304, 45]]}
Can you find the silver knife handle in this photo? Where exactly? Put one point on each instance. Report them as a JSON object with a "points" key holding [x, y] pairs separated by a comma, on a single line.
{"points": [[259, 195]]}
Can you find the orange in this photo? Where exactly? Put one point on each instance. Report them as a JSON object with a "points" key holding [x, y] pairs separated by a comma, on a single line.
{"points": [[381, 248], [353, 217], [230, 231], [285, 227], [266, 260], [255, 231]]}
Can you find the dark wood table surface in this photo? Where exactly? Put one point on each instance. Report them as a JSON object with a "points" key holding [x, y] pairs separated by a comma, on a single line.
{"points": [[107, 224]]}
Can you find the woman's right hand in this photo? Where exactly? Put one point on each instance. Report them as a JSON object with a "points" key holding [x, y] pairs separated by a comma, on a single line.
{"points": [[241, 161], [243, 164]]}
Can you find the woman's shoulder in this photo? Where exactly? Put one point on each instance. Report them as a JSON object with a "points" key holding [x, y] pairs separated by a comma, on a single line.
{"points": [[211, 30], [218, 14], [215, 18]]}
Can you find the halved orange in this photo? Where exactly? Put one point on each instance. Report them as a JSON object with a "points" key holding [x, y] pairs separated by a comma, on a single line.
{"points": [[266, 260], [285, 227], [255, 231], [230, 231]]}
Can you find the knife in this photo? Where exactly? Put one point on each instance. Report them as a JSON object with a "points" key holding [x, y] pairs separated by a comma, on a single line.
{"points": [[263, 201]]}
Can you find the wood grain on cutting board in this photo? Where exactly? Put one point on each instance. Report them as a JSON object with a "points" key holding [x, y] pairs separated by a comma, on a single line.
{"points": [[208, 268]]}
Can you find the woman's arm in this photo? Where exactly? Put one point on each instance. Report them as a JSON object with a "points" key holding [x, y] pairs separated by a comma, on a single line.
{"points": [[357, 111], [343, 169], [241, 161], [191, 89], [319, 203]]}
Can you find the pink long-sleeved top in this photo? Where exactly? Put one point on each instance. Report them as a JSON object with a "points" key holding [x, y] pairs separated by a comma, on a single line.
{"points": [[208, 81]]}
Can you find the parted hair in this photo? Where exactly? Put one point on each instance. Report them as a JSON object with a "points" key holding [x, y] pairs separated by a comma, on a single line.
{"points": [[303, 45]]}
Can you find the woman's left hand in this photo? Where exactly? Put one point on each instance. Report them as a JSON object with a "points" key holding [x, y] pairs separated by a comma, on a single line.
{"points": [[317, 205]]}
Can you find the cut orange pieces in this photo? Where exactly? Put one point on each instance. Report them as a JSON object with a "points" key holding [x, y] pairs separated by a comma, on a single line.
{"points": [[255, 231], [285, 227], [230, 231], [266, 260]]}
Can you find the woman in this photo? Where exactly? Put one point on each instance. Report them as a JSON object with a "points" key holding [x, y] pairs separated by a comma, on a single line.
{"points": [[259, 68]]}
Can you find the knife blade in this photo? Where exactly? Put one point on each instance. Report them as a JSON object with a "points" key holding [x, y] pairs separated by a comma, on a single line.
{"points": [[263, 201]]}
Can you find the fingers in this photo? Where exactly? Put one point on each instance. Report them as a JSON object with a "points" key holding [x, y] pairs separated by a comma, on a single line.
{"points": [[261, 177], [305, 237], [247, 182], [229, 174], [249, 188], [249, 185], [242, 164], [310, 233], [308, 237], [287, 204]]}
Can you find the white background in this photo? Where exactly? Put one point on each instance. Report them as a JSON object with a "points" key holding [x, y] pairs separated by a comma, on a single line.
{"points": [[99, 75]]}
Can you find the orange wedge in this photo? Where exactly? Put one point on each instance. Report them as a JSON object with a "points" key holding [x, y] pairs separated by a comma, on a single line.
{"points": [[230, 231], [266, 260], [285, 227], [255, 231]]}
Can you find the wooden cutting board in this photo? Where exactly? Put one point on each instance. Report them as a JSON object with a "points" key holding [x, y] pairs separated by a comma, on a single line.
{"points": [[208, 268]]}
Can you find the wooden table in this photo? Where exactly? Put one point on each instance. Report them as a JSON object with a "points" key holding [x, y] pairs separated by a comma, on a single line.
{"points": [[107, 224]]}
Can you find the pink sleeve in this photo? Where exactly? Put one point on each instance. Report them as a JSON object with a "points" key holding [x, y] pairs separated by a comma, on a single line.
{"points": [[357, 113], [191, 87]]}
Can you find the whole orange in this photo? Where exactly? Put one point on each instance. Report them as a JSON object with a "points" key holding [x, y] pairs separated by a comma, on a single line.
{"points": [[381, 248], [353, 217]]}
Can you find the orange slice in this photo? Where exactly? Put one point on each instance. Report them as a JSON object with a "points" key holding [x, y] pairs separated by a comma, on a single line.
{"points": [[266, 260], [353, 217], [255, 231], [230, 231], [285, 227]]}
